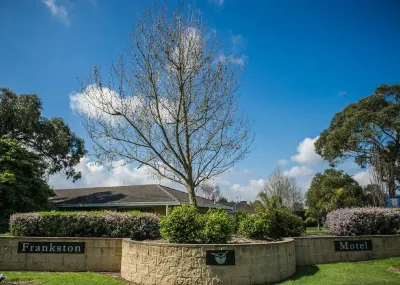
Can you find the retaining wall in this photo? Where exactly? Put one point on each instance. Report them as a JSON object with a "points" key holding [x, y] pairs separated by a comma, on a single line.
{"points": [[170, 264], [100, 254], [319, 250]]}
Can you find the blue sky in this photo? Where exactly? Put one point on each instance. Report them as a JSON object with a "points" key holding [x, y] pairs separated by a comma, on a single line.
{"points": [[305, 61]]}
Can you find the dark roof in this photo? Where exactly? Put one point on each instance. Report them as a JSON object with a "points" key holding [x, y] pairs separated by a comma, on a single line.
{"points": [[183, 197], [135, 195], [242, 205]]}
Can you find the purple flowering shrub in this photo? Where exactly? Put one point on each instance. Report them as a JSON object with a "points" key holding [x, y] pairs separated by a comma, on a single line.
{"points": [[86, 224], [363, 221]]}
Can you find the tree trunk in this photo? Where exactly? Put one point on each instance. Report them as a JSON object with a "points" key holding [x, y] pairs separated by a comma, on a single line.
{"points": [[318, 227], [192, 196], [391, 187]]}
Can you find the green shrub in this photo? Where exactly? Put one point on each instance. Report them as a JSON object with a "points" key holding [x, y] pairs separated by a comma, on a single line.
{"points": [[284, 224], [237, 217], [217, 227], [255, 226], [3, 225], [85, 224], [182, 225]]}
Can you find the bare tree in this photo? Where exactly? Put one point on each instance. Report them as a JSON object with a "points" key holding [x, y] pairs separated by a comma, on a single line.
{"points": [[209, 191], [170, 104], [280, 185]]}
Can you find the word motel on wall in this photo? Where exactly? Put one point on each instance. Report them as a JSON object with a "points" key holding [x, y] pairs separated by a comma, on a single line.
{"points": [[51, 247]]}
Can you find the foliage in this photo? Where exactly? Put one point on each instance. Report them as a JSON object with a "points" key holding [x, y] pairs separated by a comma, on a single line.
{"points": [[21, 119], [266, 203], [22, 184], [284, 224], [280, 185], [237, 218], [373, 196], [368, 131], [255, 226], [363, 221], [217, 227], [170, 103], [86, 224], [331, 190], [182, 225], [147, 227]]}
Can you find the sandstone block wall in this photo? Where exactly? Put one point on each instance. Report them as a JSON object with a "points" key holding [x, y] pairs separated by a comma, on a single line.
{"points": [[319, 250], [170, 264], [101, 254]]}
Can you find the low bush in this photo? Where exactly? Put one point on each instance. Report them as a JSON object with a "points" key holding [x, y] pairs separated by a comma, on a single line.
{"points": [[217, 227], [237, 217], [363, 221], [147, 226], [284, 224], [85, 224], [182, 225], [255, 226]]}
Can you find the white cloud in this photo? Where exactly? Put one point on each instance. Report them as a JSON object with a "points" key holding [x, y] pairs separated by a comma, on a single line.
{"points": [[57, 11], [342, 93], [282, 162], [94, 175], [99, 103], [245, 192], [297, 171], [362, 177], [306, 152], [217, 2]]}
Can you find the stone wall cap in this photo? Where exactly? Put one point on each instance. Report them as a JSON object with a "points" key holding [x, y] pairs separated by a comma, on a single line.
{"points": [[339, 237], [202, 245]]}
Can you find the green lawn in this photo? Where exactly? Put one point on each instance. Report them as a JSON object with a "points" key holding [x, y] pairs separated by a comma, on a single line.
{"points": [[355, 273], [56, 278], [315, 231]]}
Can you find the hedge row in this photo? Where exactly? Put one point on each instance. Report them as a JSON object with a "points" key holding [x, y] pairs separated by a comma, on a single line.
{"points": [[186, 225], [363, 221], [135, 225], [271, 224]]}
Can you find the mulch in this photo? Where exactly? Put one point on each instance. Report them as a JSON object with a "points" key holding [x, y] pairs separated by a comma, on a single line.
{"points": [[395, 269]]}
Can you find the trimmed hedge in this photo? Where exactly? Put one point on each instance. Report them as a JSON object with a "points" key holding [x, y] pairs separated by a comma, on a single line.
{"points": [[284, 224], [217, 227], [255, 226], [86, 224], [238, 217], [363, 221], [186, 225], [182, 225]]}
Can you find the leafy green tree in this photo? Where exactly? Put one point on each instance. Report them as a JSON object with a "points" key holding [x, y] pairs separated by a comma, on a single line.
{"points": [[22, 184], [331, 190], [21, 119], [265, 202], [368, 131]]}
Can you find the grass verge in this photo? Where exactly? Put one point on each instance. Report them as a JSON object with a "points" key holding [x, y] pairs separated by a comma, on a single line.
{"points": [[58, 278], [348, 273]]}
